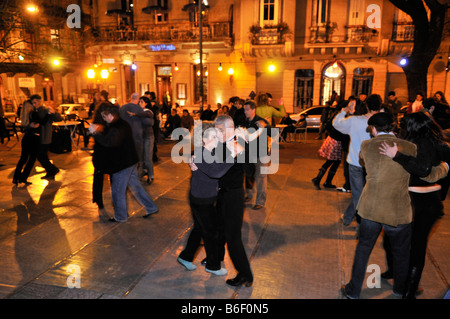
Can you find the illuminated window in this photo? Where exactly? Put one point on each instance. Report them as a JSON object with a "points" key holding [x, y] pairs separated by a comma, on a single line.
{"points": [[320, 12], [269, 12], [164, 70], [197, 84], [55, 38], [333, 71], [333, 80]]}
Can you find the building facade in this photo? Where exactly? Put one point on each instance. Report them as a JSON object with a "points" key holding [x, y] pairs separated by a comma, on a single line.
{"points": [[39, 54], [300, 51]]}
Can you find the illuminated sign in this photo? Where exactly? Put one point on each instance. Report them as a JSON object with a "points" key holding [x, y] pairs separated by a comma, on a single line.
{"points": [[162, 47]]}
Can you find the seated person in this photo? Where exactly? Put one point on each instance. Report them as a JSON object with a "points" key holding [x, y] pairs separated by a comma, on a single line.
{"points": [[173, 121], [292, 125]]}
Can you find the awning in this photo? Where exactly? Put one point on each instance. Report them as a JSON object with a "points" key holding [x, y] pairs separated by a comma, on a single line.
{"points": [[118, 12], [154, 9], [28, 68], [193, 6]]}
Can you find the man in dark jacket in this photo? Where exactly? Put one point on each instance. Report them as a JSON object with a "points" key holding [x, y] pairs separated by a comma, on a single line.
{"points": [[173, 122], [121, 160], [259, 179], [230, 206]]}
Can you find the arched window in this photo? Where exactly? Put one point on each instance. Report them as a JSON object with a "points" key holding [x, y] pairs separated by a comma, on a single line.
{"points": [[333, 80]]}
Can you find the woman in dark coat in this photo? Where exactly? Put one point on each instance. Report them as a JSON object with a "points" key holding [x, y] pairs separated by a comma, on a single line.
{"points": [[432, 148], [99, 161]]}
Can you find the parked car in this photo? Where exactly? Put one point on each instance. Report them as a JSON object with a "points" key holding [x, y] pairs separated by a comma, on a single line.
{"points": [[79, 110], [313, 115]]}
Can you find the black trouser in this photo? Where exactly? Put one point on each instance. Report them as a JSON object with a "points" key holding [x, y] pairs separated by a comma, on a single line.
{"points": [[206, 226], [30, 143], [427, 209], [42, 157], [230, 204]]}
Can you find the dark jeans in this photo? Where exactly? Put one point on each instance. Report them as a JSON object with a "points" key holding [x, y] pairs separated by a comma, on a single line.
{"points": [[357, 182], [230, 204], [206, 226], [30, 144], [42, 157], [400, 242]]}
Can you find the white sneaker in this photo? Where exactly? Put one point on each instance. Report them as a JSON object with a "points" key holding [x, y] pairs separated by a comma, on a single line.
{"points": [[342, 189], [189, 265], [220, 272]]}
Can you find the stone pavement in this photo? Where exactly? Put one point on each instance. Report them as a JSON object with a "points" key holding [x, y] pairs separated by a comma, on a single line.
{"points": [[52, 235]]}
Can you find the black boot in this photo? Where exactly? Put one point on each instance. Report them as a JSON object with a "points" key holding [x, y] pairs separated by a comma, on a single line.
{"points": [[412, 283], [327, 183], [316, 180]]}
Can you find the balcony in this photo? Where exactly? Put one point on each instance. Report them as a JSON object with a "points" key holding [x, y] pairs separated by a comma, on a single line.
{"points": [[269, 41], [324, 40], [269, 35], [403, 32], [162, 33], [322, 33], [360, 33]]}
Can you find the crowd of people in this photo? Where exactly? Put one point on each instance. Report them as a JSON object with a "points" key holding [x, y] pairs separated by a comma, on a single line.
{"points": [[396, 170], [217, 195]]}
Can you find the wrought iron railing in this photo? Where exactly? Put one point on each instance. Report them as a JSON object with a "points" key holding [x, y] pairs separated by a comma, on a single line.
{"points": [[215, 31], [403, 32]]}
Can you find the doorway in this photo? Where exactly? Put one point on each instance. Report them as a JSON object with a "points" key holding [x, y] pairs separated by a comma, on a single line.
{"points": [[130, 81], [304, 83], [164, 84], [333, 80]]}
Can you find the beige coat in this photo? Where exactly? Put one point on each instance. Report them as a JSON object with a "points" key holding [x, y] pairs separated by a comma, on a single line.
{"points": [[385, 197]]}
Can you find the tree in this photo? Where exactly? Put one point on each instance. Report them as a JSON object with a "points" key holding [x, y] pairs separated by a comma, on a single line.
{"points": [[427, 39]]}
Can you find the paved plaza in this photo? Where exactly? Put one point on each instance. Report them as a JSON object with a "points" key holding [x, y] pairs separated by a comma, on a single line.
{"points": [[52, 237]]}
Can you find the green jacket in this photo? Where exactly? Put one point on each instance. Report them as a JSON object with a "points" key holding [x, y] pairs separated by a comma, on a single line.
{"points": [[266, 111], [385, 197]]}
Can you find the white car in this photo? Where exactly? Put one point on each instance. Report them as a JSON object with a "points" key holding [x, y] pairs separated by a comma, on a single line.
{"points": [[74, 109], [313, 115]]}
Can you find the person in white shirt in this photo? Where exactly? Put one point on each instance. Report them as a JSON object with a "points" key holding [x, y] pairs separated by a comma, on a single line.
{"points": [[417, 105], [355, 126]]}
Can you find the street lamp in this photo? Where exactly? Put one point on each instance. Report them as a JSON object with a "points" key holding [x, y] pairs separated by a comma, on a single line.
{"points": [[91, 74], [104, 74], [271, 67], [32, 8]]}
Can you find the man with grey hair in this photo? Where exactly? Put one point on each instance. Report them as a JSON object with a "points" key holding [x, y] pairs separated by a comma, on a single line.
{"points": [[230, 204], [134, 115]]}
